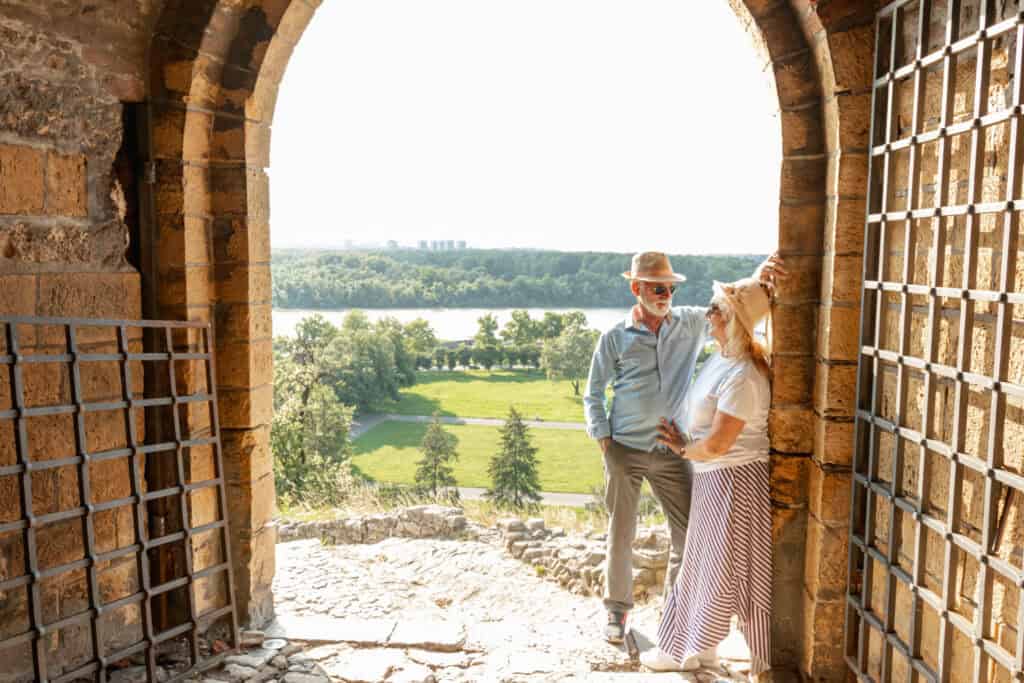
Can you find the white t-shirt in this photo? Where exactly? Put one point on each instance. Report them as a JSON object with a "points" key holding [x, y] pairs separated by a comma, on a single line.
{"points": [[735, 387]]}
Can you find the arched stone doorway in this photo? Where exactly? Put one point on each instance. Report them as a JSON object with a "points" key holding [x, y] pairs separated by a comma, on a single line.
{"points": [[214, 71]]}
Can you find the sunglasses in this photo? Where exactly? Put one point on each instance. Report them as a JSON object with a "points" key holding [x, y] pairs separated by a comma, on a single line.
{"points": [[714, 308], [661, 290]]}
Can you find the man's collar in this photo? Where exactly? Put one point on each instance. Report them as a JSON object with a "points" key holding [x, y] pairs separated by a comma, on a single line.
{"points": [[636, 317]]}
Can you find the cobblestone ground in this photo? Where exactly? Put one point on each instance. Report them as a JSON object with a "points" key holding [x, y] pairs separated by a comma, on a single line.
{"points": [[434, 610]]}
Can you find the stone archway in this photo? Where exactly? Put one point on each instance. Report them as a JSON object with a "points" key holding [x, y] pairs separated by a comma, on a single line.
{"points": [[214, 71]]}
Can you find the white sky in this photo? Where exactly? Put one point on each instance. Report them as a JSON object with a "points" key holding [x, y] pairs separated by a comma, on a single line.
{"points": [[610, 125]]}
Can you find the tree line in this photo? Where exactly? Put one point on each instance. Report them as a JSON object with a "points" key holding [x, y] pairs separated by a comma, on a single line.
{"points": [[479, 278]]}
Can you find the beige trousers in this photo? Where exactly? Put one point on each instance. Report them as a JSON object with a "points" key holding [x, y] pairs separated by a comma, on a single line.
{"points": [[670, 479]]}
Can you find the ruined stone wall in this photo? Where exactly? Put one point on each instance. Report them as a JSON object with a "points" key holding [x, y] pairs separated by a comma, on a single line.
{"points": [[64, 69]]}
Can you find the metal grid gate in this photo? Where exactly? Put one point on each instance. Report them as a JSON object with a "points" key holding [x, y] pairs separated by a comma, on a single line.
{"points": [[940, 283], [52, 390]]}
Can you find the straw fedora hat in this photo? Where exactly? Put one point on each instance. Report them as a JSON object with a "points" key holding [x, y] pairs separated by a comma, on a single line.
{"points": [[749, 301], [652, 266]]}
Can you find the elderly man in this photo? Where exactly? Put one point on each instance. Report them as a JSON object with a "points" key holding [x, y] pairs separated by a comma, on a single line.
{"points": [[649, 359]]}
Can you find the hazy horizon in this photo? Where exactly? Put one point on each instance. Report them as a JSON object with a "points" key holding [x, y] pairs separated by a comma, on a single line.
{"points": [[570, 125]]}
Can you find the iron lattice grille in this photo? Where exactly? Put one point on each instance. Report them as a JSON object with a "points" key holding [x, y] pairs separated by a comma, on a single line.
{"points": [[932, 483], [77, 528]]}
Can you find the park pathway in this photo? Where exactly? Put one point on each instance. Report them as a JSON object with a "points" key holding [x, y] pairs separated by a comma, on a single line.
{"points": [[367, 422]]}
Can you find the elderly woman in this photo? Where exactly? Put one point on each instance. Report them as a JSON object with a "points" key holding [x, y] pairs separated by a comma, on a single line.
{"points": [[726, 567]]}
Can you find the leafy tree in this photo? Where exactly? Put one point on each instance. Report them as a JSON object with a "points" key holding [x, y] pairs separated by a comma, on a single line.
{"points": [[405, 359], [452, 358], [486, 356], [488, 326], [465, 355], [420, 336], [521, 330], [513, 469], [434, 470], [568, 355], [440, 358], [309, 431], [551, 325]]}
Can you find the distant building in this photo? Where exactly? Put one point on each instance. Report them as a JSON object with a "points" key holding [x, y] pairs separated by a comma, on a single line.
{"points": [[392, 244], [423, 244], [348, 244], [461, 244], [450, 244]]}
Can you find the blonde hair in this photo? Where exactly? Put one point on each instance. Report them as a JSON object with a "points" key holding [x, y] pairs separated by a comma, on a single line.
{"points": [[741, 344]]}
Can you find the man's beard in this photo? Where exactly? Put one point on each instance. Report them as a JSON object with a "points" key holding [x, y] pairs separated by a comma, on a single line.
{"points": [[658, 307]]}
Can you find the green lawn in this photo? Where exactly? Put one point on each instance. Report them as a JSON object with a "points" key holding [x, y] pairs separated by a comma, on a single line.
{"points": [[569, 461], [478, 393]]}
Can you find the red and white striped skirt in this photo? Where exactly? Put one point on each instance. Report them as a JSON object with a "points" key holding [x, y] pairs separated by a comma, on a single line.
{"points": [[726, 569]]}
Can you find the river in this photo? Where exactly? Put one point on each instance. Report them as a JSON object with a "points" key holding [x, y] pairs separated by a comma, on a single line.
{"points": [[448, 323]]}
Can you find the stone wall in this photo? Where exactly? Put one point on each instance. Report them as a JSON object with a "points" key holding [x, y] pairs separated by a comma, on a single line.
{"points": [[579, 563], [64, 69]]}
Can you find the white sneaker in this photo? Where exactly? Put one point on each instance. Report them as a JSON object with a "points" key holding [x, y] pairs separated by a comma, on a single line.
{"points": [[658, 660]]}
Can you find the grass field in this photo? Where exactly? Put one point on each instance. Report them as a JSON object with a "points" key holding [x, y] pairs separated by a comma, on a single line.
{"points": [[569, 461], [478, 393]]}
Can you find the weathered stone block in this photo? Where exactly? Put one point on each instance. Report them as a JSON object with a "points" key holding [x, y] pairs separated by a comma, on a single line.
{"points": [[838, 333], [251, 458], [781, 31], [244, 321], [791, 429], [789, 532], [826, 560], [848, 175], [804, 281], [90, 295], [245, 364], [792, 380], [841, 279], [801, 227], [21, 180], [238, 240], [789, 480], [257, 144], [835, 389], [852, 51], [791, 326], [796, 80], [228, 143], [833, 441], [803, 180], [241, 284], [845, 226], [829, 493], [251, 504], [242, 408], [802, 132], [65, 185], [822, 654]]}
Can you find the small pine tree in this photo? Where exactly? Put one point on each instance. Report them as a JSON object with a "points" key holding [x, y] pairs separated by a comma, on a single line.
{"points": [[513, 469], [434, 471]]}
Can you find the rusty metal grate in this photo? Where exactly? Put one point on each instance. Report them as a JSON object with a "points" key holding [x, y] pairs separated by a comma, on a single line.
{"points": [[89, 384], [910, 610]]}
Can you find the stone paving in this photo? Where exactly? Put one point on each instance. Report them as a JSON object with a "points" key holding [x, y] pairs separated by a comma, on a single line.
{"points": [[405, 610]]}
